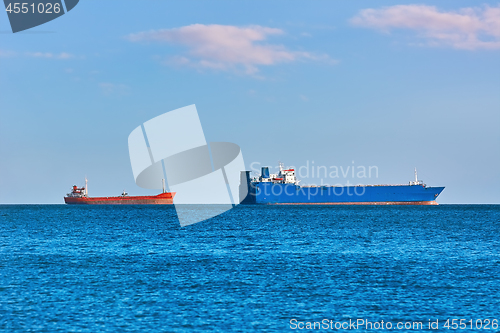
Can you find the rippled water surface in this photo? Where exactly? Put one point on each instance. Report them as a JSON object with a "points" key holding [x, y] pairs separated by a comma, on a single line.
{"points": [[132, 268]]}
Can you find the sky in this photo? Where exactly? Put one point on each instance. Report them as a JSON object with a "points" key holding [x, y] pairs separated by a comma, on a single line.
{"points": [[389, 84]]}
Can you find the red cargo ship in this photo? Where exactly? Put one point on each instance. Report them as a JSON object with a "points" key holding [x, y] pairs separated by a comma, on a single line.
{"points": [[79, 195]]}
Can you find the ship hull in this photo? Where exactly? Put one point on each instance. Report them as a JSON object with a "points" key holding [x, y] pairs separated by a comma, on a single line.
{"points": [[291, 194], [160, 199], [376, 203]]}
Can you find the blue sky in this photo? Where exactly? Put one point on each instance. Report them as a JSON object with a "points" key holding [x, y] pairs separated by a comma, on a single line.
{"points": [[395, 85]]}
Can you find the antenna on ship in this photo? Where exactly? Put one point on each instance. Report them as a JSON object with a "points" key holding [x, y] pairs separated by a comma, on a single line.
{"points": [[163, 184], [86, 187]]}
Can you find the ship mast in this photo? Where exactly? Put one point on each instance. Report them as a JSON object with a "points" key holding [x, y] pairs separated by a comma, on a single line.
{"points": [[416, 178], [86, 187], [163, 184]]}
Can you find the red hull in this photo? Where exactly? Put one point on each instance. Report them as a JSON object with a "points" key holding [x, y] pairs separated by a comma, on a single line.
{"points": [[160, 199]]}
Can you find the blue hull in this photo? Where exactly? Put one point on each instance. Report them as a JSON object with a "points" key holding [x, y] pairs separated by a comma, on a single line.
{"points": [[272, 193], [268, 193]]}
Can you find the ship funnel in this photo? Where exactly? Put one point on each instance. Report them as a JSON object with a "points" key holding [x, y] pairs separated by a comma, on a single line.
{"points": [[265, 172]]}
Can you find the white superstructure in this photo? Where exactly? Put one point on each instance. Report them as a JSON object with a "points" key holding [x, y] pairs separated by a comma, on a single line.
{"points": [[416, 181], [284, 176]]}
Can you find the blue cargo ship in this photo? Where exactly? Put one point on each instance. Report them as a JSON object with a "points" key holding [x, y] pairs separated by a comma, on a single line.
{"points": [[283, 189]]}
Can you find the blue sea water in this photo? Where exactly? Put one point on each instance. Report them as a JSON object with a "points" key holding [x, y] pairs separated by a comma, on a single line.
{"points": [[254, 268]]}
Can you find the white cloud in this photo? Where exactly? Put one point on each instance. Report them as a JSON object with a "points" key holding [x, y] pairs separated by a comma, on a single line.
{"points": [[225, 47], [7, 54], [466, 28], [43, 55], [113, 89], [49, 55], [64, 55]]}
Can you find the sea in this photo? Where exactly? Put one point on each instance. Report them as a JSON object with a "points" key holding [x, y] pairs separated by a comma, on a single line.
{"points": [[251, 269]]}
